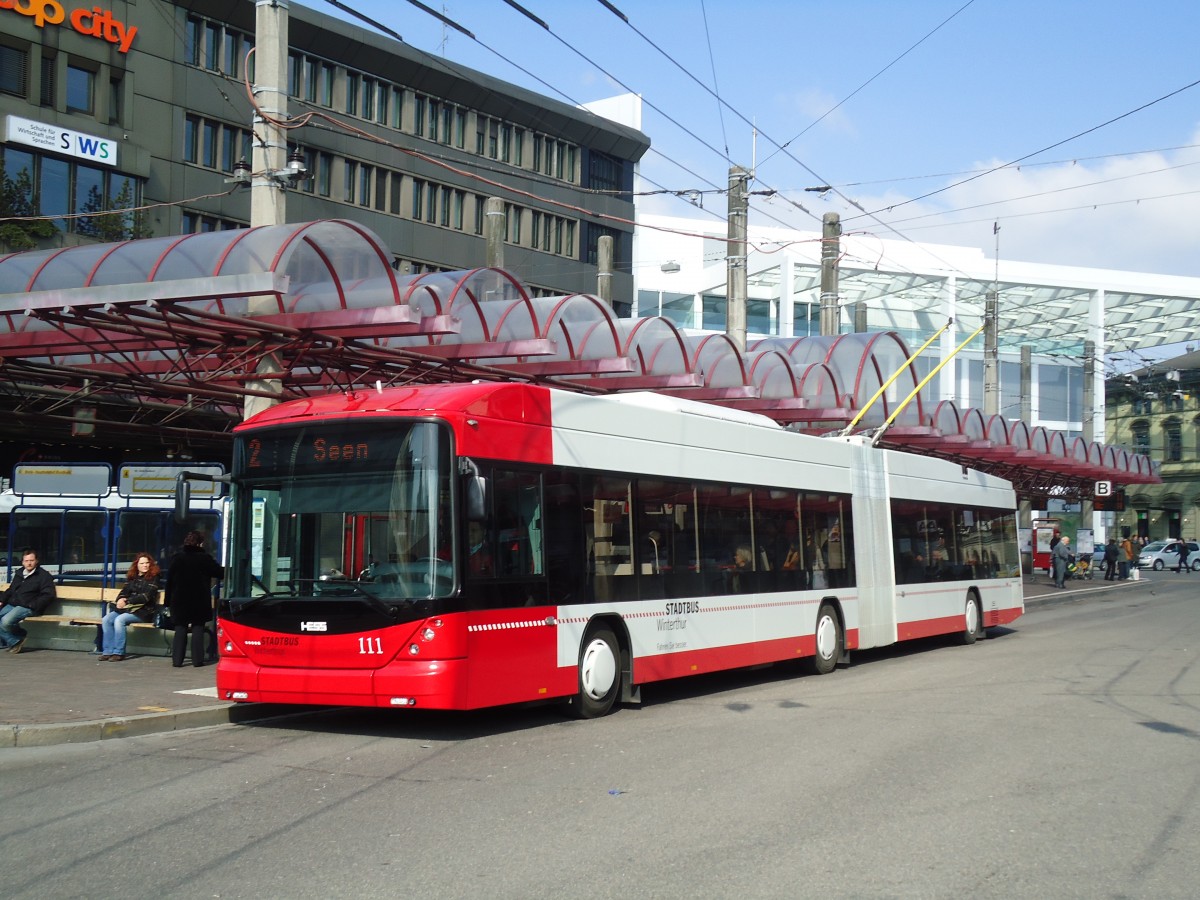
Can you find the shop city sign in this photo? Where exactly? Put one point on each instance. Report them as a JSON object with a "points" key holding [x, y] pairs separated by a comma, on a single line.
{"points": [[95, 22]]}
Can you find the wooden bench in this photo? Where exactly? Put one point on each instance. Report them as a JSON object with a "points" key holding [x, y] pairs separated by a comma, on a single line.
{"points": [[64, 624]]}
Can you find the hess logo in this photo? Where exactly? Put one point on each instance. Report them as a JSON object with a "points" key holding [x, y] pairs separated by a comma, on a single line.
{"points": [[314, 626]]}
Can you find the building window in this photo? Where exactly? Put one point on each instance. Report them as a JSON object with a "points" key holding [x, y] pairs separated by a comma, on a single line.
{"points": [[383, 104], [233, 54], [49, 80], [366, 178], [191, 41], [418, 199], [1141, 438], [352, 89], [398, 107], [116, 102], [419, 115], [208, 144], [325, 174], [368, 98], [604, 172], [459, 201], [197, 223], [312, 80], [14, 71], [349, 181], [480, 210], [81, 90], [1174, 442], [327, 78], [212, 46], [460, 128]]}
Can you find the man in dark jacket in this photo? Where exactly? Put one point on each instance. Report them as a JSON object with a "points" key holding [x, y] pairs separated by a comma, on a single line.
{"points": [[31, 591]]}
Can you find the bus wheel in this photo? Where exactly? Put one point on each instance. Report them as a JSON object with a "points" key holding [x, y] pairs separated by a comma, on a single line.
{"points": [[973, 619], [599, 674], [829, 641]]}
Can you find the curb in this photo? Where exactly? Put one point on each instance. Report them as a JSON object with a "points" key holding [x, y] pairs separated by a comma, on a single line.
{"points": [[135, 726]]}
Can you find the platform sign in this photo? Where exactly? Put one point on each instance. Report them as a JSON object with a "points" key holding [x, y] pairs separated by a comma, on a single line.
{"points": [[1104, 489], [158, 480], [71, 479]]}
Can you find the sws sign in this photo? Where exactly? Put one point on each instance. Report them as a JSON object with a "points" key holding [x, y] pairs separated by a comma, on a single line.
{"points": [[60, 140], [95, 22]]}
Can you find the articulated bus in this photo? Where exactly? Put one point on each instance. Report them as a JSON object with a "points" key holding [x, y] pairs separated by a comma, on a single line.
{"points": [[472, 545]]}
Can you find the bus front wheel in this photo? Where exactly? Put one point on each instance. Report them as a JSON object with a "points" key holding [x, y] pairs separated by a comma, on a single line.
{"points": [[829, 641], [599, 674], [973, 620]]}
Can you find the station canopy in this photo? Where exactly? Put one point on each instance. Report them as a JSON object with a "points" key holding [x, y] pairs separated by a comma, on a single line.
{"points": [[162, 341]]}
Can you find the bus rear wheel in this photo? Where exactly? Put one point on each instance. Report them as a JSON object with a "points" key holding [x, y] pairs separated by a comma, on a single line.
{"points": [[829, 640], [973, 621], [599, 674]]}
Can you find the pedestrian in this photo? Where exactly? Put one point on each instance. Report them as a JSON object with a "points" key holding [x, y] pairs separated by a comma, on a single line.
{"points": [[1183, 550], [1126, 559], [136, 602], [1111, 554], [189, 594], [1060, 558], [31, 591]]}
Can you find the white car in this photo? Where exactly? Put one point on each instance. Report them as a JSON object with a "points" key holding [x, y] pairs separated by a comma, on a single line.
{"points": [[1159, 555]]}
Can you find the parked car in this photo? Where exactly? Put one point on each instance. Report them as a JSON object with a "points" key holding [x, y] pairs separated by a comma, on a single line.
{"points": [[1159, 555]]}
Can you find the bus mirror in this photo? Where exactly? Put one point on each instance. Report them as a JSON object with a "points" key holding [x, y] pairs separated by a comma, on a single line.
{"points": [[183, 498], [474, 491]]}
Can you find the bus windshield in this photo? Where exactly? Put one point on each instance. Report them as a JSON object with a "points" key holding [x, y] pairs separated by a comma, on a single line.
{"points": [[338, 511]]}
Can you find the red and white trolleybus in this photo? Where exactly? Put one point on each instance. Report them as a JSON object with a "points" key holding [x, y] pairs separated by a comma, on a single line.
{"points": [[471, 545]]}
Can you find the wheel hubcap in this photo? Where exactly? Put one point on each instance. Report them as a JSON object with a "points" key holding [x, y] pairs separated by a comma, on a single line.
{"points": [[972, 617], [598, 670], [826, 637]]}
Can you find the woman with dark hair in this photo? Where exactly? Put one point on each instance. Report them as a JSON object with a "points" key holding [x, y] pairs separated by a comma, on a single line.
{"points": [[136, 603], [189, 594]]}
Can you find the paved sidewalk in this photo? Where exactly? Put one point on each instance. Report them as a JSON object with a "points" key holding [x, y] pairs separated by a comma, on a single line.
{"points": [[67, 696]]}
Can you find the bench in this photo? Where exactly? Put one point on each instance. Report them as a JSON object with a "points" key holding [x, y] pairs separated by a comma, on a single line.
{"points": [[72, 622]]}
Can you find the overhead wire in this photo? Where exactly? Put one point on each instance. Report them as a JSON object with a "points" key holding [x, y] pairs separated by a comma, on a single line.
{"points": [[1011, 163]]}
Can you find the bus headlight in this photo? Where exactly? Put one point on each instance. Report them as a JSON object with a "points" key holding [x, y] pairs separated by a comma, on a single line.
{"points": [[413, 649], [428, 634]]}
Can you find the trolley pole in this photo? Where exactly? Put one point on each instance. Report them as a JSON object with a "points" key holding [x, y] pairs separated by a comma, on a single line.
{"points": [[735, 260], [831, 248]]}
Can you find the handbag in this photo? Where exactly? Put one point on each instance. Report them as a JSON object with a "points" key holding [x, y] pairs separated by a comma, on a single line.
{"points": [[162, 619]]}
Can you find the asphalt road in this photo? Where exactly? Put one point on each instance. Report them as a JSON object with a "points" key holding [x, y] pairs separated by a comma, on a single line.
{"points": [[1060, 758]]}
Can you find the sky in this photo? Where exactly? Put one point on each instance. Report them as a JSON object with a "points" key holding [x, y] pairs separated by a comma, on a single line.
{"points": [[1072, 125]]}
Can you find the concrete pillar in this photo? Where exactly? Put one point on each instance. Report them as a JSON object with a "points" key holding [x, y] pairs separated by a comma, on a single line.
{"points": [[735, 259], [831, 233], [604, 266]]}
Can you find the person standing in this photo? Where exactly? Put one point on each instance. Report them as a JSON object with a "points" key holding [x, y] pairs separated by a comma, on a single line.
{"points": [[1060, 558], [1111, 553], [1183, 551], [1126, 558], [31, 591], [189, 594], [135, 603]]}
